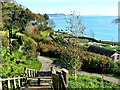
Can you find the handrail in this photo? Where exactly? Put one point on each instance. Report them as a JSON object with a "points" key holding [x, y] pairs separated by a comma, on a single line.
{"points": [[4, 79], [30, 72], [60, 79], [63, 82], [20, 80]]}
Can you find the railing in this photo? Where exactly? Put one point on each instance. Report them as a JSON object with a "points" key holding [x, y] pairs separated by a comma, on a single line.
{"points": [[12, 81], [17, 82], [30, 72], [60, 79]]}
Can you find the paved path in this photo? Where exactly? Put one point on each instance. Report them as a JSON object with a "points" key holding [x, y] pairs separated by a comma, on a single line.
{"points": [[47, 63]]}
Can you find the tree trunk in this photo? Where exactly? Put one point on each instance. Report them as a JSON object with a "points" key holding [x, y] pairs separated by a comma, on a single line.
{"points": [[75, 74]]}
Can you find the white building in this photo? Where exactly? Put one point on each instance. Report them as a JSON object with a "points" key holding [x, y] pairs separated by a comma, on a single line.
{"points": [[116, 56]]}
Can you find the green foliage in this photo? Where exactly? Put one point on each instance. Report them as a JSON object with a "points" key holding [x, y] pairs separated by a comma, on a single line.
{"points": [[71, 58], [72, 55], [11, 63], [46, 16], [33, 32], [114, 75], [49, 50], [110, 43], [14, 64], [98, 64], [29, 45], [18, 16], [15, 45], [35, 64], [51, 23], [115, 48], [44, 34], [85, 81]]}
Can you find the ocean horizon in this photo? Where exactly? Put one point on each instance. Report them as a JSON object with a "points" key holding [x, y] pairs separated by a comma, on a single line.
{"points": [[102, 27]]}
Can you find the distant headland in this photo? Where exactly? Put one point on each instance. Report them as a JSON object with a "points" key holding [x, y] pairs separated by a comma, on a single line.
{"points": [[57, 15]]}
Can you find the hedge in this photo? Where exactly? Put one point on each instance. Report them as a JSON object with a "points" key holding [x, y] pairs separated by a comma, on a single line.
{"points": [[98, 64]]}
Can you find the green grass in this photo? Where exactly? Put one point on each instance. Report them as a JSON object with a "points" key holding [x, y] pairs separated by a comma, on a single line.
{"points": [[54, 59], [114, 75], [18, 69], [35, 64], [86, 81], [112, 48], [44, 34]]}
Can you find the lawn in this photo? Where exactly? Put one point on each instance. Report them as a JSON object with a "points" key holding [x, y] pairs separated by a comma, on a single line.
{"points": [[35, 64], [114, 75], [54, 59], [85, 81]]}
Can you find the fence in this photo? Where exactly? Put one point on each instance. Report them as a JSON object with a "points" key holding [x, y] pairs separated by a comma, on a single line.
{"points": [[60, 79], [30, 72], [17, 82]]}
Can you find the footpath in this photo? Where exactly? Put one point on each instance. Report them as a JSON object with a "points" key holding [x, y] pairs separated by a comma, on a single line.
{"points": [[47, 64]]}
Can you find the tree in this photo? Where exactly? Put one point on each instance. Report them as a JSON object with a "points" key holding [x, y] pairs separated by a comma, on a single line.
{"points": [[46, 16], [75, 26], [33, 32], [29, 46], [73, 54], [93, 34], [51, 23], [71, 58], [19, 16]]}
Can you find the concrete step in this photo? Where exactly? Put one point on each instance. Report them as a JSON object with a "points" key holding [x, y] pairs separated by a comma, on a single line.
{"points": [[43, 77], [45, 73], [32, 83], [46, 80], [44, 83], [36, 88]]}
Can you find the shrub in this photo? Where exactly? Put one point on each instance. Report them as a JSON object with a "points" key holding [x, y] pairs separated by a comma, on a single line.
{"points": [[15, 45], [99, 64], [49, 50]]}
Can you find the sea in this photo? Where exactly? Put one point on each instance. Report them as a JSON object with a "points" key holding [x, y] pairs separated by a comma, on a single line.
{"points": [[99, 27]]}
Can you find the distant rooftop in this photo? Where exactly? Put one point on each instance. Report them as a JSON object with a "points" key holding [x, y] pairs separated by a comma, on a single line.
{"points": [[101, 51]]}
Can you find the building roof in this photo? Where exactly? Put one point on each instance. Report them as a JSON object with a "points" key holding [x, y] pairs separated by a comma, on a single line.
{"points": [[101, 51]]}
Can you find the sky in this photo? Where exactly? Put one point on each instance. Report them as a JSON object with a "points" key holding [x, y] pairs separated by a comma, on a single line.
{"points": [[84, 7]]}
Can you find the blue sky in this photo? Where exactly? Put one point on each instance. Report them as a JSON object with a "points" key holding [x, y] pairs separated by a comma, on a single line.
{"points": [[84, 7]]}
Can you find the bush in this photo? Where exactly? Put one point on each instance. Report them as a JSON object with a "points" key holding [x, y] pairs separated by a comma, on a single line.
{"points": [[12, 65], [15, 45], [49, 50], [99, 64]]}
